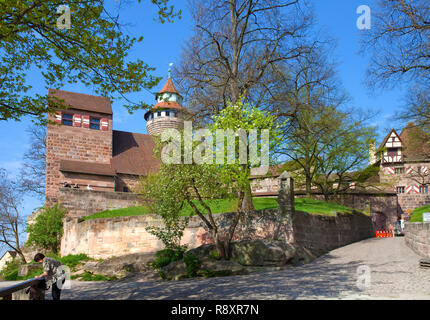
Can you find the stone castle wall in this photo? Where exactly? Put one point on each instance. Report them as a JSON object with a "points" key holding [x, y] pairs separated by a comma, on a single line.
{"points": [[408, 202], [320, 233], [82, 203], [103, 238], [417, 237]]}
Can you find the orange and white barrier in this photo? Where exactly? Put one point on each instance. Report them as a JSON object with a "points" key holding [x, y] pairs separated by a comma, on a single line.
{"points": [[384, 234]]}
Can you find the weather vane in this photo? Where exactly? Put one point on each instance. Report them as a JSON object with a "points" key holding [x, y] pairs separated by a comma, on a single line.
{"points": [[170, 68]]}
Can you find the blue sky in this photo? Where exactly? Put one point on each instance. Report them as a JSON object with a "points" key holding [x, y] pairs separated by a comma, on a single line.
{"points": [[162, 44]]}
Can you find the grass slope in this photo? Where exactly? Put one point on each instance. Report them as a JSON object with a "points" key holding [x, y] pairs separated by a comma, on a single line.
{"points": [[229, 205], [417, 214]]}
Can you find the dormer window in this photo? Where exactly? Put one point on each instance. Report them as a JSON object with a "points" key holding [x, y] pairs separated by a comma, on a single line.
{"points": [[67, 119], [94, 123]]}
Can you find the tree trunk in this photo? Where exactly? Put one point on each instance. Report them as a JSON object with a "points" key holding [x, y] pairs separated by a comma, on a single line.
{"points": [[247, 205], [308, 186], [222, 254], [22, 256]]}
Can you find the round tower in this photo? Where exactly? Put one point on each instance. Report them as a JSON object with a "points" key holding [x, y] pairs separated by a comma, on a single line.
{"points": [[168, 112]]}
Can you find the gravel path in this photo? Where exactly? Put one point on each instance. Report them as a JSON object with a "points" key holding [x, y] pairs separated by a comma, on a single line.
{"points": [[395, 274]]}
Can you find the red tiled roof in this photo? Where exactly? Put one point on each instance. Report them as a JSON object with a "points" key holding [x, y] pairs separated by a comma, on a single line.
{"points": [[416, 144], [133, 153], [81, 101], [168, 105], [102, 169], [169, 87]]}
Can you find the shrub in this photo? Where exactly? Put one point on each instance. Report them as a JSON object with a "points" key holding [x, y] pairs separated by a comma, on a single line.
{"points": [[193, 265], [88, 276], [166, 256], [213, 254], [10, 272], [47, 231], [72, 260]]}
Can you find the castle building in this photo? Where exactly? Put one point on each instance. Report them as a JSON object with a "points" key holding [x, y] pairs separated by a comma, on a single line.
{"points": [[83, 151], [405, 166]]}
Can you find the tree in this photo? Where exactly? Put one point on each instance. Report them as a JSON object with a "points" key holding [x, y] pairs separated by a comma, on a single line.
{"points": [[32, 175], [167, 203], [345, 150], [309, 98], [418, 107], [177, 185], [11, 222], [92, 50], [241, 119], [47, 231], [399, 42], [236, 49]]}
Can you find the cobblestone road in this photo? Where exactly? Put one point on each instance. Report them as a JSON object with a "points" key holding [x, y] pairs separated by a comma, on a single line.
{"points": [[395, 274]]}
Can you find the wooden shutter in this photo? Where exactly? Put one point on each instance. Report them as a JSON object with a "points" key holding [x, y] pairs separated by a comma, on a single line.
{"points": [[58, 117], [77, 120], [104, 124], [86, 121]]}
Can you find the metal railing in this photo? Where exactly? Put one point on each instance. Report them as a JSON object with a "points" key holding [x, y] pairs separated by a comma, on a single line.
{"points": [[6, 293]]}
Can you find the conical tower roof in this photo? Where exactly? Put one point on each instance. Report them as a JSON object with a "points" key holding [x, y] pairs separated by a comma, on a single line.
{"points": [[169, 87]]}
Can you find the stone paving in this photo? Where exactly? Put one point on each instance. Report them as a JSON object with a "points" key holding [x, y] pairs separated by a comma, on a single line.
{"points": [[395, 274]]}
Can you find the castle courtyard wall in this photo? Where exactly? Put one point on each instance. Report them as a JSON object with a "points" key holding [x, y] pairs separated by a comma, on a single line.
{"points": [[103, 238], [417, 237]]}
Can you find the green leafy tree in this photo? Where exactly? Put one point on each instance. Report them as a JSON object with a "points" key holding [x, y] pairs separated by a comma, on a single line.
{"points": [[242, 116], [345, 149], [167, 205], [92, 50], [47, 231], [177, 185]]}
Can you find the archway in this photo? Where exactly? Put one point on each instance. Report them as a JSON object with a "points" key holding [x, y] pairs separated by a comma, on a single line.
{"points": [[380, 221]]}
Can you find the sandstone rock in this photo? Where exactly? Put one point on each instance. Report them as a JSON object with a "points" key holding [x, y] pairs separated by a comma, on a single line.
{"points": [[222, 267], [303, 256], [176, 270], [262, 252], [202, 251], [122, 265]]}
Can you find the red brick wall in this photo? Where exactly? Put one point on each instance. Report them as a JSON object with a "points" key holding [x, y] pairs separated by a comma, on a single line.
{"points": [[74, 143]]}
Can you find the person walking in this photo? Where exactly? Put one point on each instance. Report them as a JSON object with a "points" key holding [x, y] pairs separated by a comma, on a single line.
{"points": [[53, 274]]}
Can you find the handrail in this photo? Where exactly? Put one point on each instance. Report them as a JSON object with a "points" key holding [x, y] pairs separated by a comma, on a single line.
{"points": [[19, 286]]}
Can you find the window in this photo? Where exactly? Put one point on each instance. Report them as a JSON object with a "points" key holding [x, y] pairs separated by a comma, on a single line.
{"points": [[392, 152], [159, 114], [125, 189], [167, 113], [399, 170], [424, 189], [67, 119], [419, 169], [400, 189], [95, 123]]}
